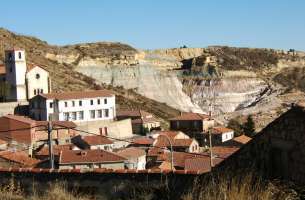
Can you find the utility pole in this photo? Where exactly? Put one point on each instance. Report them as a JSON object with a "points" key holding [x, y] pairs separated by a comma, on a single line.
{"points": [[51, 156], [212, 98]]}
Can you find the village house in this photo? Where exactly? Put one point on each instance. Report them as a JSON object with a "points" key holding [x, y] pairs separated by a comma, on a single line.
{"points": [[219, 135], [191, 123], [180, 142], [81, 106], [42, 153], [24, 80], [88, 159], [142, 121], [238, 141], [24, 131], [18, 159], [93, 142], [143, 142], [136, 157]]}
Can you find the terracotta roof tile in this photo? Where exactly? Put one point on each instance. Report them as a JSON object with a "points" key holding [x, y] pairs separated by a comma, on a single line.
{"points": [[190, 116], [89, 156], [243, 139], [78, 94], [2, 69], [131, 152], [224, 151], [163, 142], [93, 140], [138, 116], [44, 151], [220, 130], [19, 157], [143, 141]]}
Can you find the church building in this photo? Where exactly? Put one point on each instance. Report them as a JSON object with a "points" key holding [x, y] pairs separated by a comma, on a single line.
{"points": [[24, 80]]}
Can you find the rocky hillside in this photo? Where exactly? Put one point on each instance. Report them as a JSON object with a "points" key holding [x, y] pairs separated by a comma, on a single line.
{"points": [[260, 82], [61, 61]]}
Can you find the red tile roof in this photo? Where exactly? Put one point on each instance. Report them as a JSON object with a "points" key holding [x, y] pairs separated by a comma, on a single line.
{"points": [[93, 140], [78, 94], [2, 69], [3, 142], [171, 134], [131, 152], [139, 116], [220, 130], [190, 117], [143, 141], [30, 66], [243, 139], [44, 151], [19, 157], [89, 156], [163, 142], [224, 151]]}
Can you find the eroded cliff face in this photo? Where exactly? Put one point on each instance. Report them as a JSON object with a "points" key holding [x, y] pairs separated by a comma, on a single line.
{"points": [[148, 80], [248, 81]]}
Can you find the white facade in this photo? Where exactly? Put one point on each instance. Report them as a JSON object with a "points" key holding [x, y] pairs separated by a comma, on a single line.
{"points": [[138, 163], [22, 79], [36, 82], [226, 136], [15, 67], [76, 110]]}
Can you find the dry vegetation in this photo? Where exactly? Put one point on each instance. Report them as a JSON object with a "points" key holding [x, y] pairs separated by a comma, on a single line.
{"points": [[65, 78], [224, 187]]}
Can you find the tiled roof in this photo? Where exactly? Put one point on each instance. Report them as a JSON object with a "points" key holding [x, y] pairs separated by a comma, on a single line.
{"points": [[44, 151], [170, 134], [223, 151], [30, 66], [3, 142], [143, 141], [88, 156], [2, 69], [163, 142], [139, 116], [243, 139], [190, 116], [78, 94], [202, 164], [26, 120], [220, 130], [19, 157], [131, 152], [93, 140]]}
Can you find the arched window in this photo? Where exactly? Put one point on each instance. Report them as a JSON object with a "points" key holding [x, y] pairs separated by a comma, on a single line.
{"points": [[37, 76]]}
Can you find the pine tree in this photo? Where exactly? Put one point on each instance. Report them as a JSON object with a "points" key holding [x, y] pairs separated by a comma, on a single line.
{"points": [[249, 127]]}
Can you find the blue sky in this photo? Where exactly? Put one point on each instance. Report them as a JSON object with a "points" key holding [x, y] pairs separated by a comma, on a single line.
{"points": [[151, 24]]}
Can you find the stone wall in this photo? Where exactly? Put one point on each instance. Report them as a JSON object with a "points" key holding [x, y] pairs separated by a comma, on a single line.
{"points": [[278, 151], [107, 184]]}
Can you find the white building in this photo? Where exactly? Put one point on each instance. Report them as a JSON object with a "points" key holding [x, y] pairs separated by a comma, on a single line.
{"points": [[24, 80], [74, 106], [136, 157]]}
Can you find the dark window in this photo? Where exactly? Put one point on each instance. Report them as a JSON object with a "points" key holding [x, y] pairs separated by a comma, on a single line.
{"points": [[10, 56], [41, 91], [105, 101], [106, 113], [51, 105], [80, 103], [34, 91], [19, 55], [91, 102], [37, 76], [73, 103], [66, 104], [98, 101]]}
